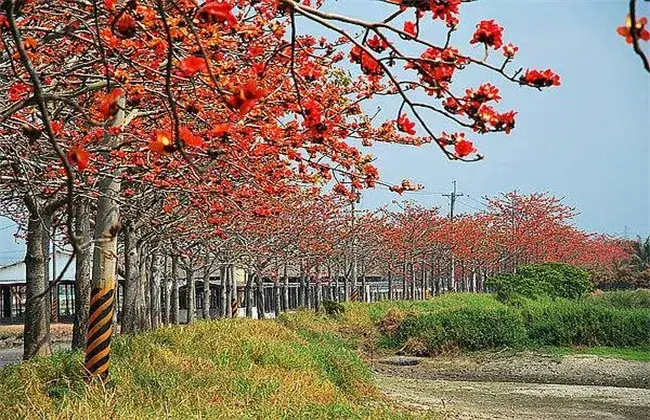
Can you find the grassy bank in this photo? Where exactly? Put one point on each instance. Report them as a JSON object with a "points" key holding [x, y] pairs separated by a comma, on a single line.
{"points": [[219, 369], [466, 322]]}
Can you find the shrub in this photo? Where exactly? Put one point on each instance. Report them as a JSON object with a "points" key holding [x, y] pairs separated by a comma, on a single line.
{"points": [[541, 280], [332, 308], [625, 298], [585, 323], [391, 322], [469, 328]]}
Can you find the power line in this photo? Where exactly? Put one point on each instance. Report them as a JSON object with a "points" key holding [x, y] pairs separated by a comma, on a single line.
{"points": [[8, 226], [477, 201], [470, 206]]}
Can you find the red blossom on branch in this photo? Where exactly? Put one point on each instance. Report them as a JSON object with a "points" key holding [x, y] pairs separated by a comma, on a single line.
{"points": [[191, 65], [406, 125], [464, 148], [217, 11], [245, 97], [488, 32], [510, 50], [410, 28], [79, 157], [108, 106], [639, 29], [537, 78]]}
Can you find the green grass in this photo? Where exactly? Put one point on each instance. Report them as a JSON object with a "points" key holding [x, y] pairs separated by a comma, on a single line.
{"points": [[476, 322], [218, 369], [641, 354], [624, 298]]}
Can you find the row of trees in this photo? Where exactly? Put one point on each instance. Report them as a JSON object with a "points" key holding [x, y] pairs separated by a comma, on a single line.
{"points": [[135, 130]]}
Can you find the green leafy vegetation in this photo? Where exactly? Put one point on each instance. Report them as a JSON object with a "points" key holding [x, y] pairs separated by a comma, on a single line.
{"points": [[624, 298], [471, 322], [641, 354], [541, 280], [217, 369]]}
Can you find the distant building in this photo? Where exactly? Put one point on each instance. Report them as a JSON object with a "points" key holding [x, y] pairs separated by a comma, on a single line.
{"points": [[13, 288]]}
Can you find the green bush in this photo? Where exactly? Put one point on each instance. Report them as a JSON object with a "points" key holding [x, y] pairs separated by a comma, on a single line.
{"points": [[585, 323], [468, 328], [624, 298], [541, 280], [463, 322]]}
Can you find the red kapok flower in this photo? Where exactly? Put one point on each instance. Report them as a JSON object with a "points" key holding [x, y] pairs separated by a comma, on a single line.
{"points": [[125, 26], [369, 65], [510, 50], [539, 78], [17, 91], [108, 106], [219, 130], [410, 28], [485, 93], [488, 33], [79, 157], [189, 138], [244, 97], [464, 147], [406, 125], [162, 142], [217, 11], [57, 127], [191, 65], [377, 44], [639, 29]]}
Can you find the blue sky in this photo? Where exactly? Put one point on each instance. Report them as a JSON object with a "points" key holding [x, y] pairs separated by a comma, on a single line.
{"points": [[587, 141]]}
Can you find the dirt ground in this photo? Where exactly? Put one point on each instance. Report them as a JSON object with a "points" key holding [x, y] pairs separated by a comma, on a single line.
{"points": [[525, 386], [58, 331]]}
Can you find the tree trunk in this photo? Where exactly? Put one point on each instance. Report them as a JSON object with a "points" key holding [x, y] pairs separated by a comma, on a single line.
{"points": [[276, 298], [36, 337], [166, 290], [223, 292], [143, 296], [260, 296], [104, 265], [191, 293], [82, 276], [301, 290], [174, 299], [285, 290], [130, 310], [234, 296], [227, 292], [206, 290], [412, 278], [335, 295], [155, 290], [248, 301], [318, 295]]}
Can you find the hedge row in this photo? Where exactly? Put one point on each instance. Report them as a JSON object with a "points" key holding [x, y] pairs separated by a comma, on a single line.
{"points": [[531, 323]]}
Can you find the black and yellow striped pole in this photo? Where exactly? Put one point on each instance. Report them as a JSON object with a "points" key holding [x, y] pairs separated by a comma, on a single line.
{"points": [[355, 295], [100, 329], [235, 307], [104, 273], [55, 305]]}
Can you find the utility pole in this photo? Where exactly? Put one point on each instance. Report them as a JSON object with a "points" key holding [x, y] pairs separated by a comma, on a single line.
{"points": [[452, 200]]}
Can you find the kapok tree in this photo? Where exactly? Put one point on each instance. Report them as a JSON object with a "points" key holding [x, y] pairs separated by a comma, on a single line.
{"points": [[193, 94]]}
